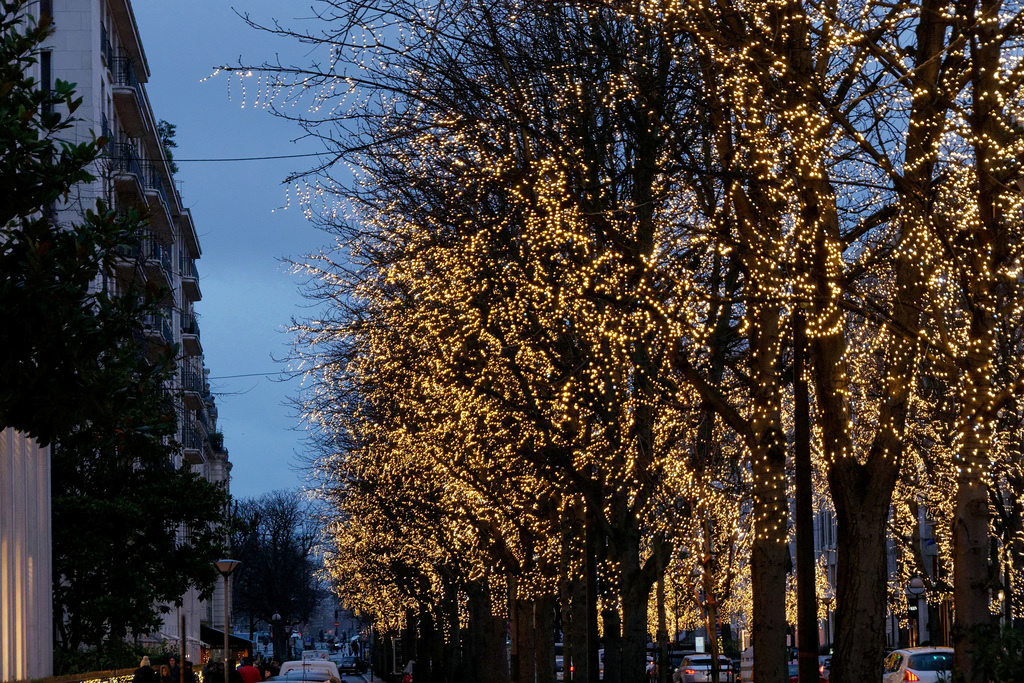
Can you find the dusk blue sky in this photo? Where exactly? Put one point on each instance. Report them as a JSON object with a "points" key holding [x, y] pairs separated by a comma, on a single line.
{"points": [[249, 296]]}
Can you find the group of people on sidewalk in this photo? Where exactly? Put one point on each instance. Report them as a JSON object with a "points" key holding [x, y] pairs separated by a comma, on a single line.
{"points": [[213, 672]]}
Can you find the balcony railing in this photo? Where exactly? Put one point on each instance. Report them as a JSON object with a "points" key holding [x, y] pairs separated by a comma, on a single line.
{"points": [[158, 326], [190, 334], [188, 268], [189, 277], [191, 379], [106, 49], [155, 182], [125, 160], [124, 74], [192, 386], [153, 250], [192, 440], [204, 420], [128, 251], [189, 324]]}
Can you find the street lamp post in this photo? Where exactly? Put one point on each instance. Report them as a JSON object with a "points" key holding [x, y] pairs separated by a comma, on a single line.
{"points": [[915, 588], [276, 619], [225, 567]]}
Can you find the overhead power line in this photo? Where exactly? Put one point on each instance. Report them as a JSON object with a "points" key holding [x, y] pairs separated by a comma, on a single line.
{"points": [[251, 374], [280, 156]]}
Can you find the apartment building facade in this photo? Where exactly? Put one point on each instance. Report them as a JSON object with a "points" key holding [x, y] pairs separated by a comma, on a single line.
{"points": [[96, 45]]}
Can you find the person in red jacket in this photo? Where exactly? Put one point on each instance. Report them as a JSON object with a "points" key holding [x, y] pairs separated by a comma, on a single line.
{"points": [[248, 672]]}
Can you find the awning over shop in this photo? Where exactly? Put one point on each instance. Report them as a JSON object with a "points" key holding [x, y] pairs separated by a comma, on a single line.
{"points": [[215, 638]]}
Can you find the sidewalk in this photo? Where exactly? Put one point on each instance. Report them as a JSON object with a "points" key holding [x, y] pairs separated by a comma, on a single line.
{"points": [[366, 678]]}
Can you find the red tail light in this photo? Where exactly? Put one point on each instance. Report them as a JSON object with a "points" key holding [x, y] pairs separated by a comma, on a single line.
{"points": [[910, 676]]}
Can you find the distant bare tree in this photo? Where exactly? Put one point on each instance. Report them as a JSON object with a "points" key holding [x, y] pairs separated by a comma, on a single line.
{"points": [[275, 537]]}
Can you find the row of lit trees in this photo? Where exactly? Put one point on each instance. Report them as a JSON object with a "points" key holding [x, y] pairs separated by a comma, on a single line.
{"points": [[559, 348]]}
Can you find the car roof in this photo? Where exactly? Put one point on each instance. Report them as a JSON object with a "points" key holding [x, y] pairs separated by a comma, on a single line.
{"points": [[311, 665], [315, 675]]}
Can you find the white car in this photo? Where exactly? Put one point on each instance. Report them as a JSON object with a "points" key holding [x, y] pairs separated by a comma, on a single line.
{"points": [[310, 665], [924, 664], [696, 668]]}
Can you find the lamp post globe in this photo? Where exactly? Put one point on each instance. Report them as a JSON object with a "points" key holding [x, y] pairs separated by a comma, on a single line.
{"points": [[225, 567]]}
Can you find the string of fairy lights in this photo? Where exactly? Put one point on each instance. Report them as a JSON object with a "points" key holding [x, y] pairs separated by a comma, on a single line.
{"points": [[567, 279]]}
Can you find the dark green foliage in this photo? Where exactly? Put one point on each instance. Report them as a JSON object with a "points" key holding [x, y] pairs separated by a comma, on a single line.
{"points": [[167, 132], [999, 654], [121, 481], [120, 511], [74, 662], [55, 329]]}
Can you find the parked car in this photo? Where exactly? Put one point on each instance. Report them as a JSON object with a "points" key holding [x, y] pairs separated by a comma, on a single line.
{"points": [[310, 665], [824, 667], [923, 664], [794, 674], [350, 664], [696, 668], [673, 659], [308, 675]]}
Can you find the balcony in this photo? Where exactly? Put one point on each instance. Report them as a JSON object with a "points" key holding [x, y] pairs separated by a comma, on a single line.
{"points": [[190, 335], [157, 328], [192, 387], [126, 168], [127, 262], [193, 438], [156, 197], [189, 279], [187, 230], [204, 420], [156, 258], [128, 96]]}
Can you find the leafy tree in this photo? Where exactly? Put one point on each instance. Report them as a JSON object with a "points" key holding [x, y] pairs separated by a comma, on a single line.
{"points": [[167, 132], [160, 524], [57, 321]]}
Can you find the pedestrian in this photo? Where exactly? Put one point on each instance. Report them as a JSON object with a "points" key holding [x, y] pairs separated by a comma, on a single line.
{"points": [[233, 675], [172, 663], [248, 672], [213, 671], [165, 674], [188, 673], [145, 673]]}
